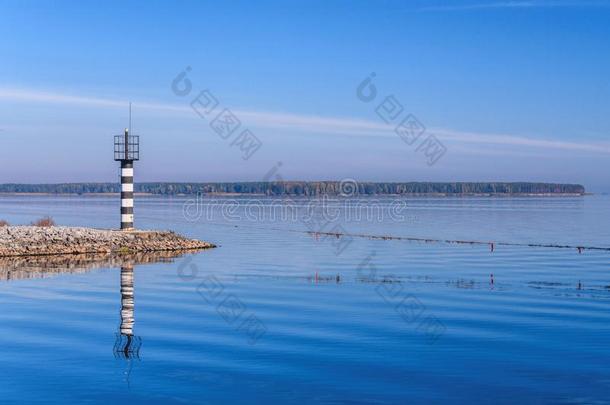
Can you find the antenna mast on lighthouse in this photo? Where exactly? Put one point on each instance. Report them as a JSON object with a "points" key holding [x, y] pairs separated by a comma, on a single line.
{"points": [[126, 151]]}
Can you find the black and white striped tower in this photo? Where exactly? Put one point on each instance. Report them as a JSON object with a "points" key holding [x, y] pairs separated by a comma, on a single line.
{"points": [[126, 194], [126, 150]]}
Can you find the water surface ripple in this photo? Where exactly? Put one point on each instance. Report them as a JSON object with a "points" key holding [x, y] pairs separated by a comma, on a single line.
{"points": [[384, 321]]}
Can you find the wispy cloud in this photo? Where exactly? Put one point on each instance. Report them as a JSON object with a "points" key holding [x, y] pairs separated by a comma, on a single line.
{"points": [[512, 140], [514, 5], [314, 124], [58, 98], [358, 127]]}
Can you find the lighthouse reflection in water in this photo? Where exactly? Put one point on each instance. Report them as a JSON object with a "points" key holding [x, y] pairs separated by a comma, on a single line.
{"points": [[127, 345]]}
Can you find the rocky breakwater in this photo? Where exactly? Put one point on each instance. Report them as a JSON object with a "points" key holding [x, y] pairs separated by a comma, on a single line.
{"points": [[56, 240]]}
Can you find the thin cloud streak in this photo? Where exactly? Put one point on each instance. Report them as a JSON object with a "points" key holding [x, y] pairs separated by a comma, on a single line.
{"points": [[467, 137], [311, 123], [55, 98], [514, 5]]}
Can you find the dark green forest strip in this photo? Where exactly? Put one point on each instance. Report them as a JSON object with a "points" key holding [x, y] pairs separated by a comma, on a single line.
{"points": [[305, 188]]}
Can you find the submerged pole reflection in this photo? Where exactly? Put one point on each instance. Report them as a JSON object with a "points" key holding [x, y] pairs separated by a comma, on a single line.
{"points": [[127, 345]]}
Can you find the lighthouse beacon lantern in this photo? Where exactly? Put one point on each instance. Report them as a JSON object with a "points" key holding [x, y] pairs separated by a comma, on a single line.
{"points": [[126, 151]]}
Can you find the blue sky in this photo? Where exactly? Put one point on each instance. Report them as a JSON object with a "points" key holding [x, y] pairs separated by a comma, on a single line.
{"points": [[515, 90]]}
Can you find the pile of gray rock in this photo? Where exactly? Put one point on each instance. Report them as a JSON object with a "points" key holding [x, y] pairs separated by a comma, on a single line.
{"points": [[32, 240]]}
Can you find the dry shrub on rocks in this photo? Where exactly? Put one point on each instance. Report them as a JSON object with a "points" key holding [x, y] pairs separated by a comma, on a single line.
{"points": [[4, 223], [44, 222]]}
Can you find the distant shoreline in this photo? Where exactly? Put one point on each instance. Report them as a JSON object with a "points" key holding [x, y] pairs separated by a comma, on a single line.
{"points": [[236, 195], [344, 188]]}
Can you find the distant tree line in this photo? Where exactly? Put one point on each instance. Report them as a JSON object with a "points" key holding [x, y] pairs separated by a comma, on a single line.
{"points": [[302, 188]]}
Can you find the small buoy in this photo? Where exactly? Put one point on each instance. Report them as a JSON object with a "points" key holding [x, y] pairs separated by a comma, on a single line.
{"points": [[491, 280], [579, 287]]}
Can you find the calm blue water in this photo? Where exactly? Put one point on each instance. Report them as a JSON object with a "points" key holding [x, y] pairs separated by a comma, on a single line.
{"points": [[405, 322]]}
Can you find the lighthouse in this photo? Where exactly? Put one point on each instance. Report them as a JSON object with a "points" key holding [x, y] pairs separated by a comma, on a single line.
{"points": [[126, 151]]}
